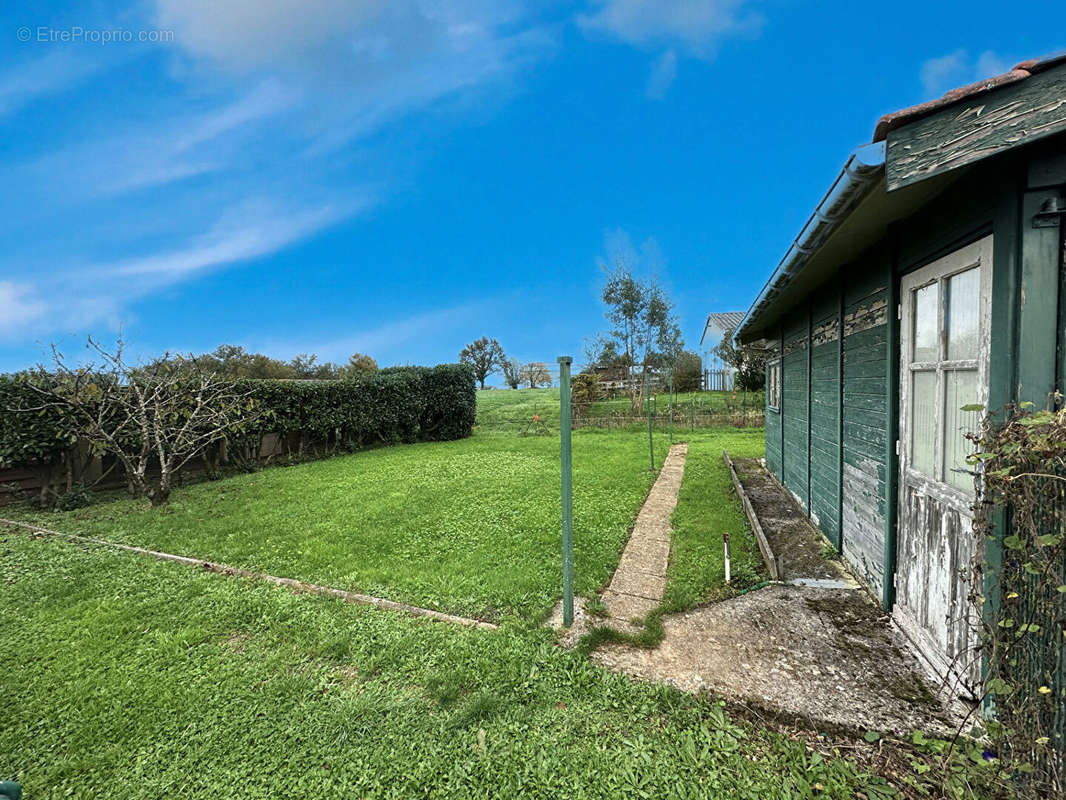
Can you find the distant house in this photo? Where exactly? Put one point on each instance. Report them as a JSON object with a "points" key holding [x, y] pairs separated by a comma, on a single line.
{"points": [[928, 279], [716, 373]]}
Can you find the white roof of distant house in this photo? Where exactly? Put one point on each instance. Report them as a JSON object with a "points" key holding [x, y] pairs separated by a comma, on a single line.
{"points": [[722, 322]]}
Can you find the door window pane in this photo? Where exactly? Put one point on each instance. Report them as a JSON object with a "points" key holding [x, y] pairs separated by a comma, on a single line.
{"points": [[923, 421], [960, 390], [925, 323], [963, 302]]}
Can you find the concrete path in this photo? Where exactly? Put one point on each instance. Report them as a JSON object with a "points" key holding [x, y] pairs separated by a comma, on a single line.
{"points": [[640, 579], [817, 650]]}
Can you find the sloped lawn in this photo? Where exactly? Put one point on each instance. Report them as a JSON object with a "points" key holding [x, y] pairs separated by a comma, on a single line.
{"points": [[470, 527], [125, 677]]}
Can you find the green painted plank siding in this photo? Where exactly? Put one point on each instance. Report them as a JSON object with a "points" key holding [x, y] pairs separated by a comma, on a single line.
{"points": [[865, 423], [773, 420], [794, 401], [825, 414]]}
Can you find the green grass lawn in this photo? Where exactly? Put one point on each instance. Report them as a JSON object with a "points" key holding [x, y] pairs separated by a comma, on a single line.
{"points": [[125, 677], [470, 527], [707, 507], [129, 677]]}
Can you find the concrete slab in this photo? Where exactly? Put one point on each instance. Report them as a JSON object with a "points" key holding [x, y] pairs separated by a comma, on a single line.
{"points": [[820, 657], [626, 606], [640, 584], [649, 551]]}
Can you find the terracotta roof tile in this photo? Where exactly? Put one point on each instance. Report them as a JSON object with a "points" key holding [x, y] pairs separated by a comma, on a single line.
{"points": [[889, 122]]}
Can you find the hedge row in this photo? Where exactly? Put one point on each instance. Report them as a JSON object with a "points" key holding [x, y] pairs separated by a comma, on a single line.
{"points": [[402, 404], [399, 404]]}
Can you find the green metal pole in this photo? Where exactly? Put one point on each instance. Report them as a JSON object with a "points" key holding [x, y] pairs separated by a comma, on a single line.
{"points": [[671, 408], [651, 444], [567, 489]]}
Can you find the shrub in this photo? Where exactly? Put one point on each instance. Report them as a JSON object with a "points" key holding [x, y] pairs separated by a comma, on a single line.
{"points": [[585, 391], [687, 372], [395, 405]]}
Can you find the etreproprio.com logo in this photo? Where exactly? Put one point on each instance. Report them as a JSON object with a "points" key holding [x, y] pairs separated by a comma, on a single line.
{"points": [[76, 34]]}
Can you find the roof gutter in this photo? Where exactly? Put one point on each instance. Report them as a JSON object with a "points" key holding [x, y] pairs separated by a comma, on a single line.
{"points": [[864, 167]]}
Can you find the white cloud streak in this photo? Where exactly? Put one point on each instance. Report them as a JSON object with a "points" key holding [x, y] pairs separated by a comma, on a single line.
{"points": [[952, 70], [662, 75], [267, 99], [55, 72], [19, 307], [230, 244], [696, 27]]}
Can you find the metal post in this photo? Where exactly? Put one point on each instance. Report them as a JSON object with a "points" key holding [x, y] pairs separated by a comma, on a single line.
{"points": [[651, 444], [725, 542], [566, 464], [671, 407]]}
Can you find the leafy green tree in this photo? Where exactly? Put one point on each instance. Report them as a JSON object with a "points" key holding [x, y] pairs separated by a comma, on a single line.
{"points": [[484, 356], [688, 370], [308, 368], [645, 332], [360, 364], [749, 362]]}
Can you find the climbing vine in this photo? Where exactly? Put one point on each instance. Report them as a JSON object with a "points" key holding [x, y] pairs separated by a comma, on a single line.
{"points": [[1020, 591]]}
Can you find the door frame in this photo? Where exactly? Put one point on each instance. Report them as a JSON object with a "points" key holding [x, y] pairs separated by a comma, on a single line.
{"points": [[977, 253]]}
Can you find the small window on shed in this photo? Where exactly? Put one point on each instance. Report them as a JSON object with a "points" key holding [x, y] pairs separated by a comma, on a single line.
{"points": [[773, 384]]}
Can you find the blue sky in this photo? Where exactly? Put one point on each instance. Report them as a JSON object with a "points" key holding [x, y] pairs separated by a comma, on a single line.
{"points": [[399, 177]]}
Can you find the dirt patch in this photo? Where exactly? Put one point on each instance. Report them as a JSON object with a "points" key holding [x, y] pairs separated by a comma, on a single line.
{"points": [[820, 657], [237, 641], [799, 547]]}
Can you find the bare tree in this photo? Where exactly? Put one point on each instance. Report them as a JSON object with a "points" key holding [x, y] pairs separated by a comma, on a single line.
{"points": [[535, 373], [154, 419], [512, 372]]}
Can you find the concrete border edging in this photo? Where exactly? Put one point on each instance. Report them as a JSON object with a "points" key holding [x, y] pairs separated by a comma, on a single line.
{"points": [[289, 583], [760, 537]]}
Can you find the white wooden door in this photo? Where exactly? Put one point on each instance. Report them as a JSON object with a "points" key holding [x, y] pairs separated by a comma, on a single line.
{"points": [[944, 344]]}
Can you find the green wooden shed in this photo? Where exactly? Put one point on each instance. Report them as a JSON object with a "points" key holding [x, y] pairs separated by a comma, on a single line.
{"points": [[929, 278]]}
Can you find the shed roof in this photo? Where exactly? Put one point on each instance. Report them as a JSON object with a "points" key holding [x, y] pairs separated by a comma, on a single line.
{"points": [[722, 321], [858, 207], [1021, 71]]}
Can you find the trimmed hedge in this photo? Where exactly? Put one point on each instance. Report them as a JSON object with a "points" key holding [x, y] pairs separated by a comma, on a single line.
{"points": [[399, 404]]}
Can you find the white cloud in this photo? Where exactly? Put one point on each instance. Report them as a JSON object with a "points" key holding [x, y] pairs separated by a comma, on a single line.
{"points": [[264, 98], [19, 306], [358, 64], [662, 75], [245, 34], [54, 72], [386, 341], [958, 68], [90, 294], [990, 63], [696, 27], [251, 232]]}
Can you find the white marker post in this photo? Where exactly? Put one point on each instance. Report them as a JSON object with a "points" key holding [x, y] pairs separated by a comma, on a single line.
{"points": [[725, 542]]}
